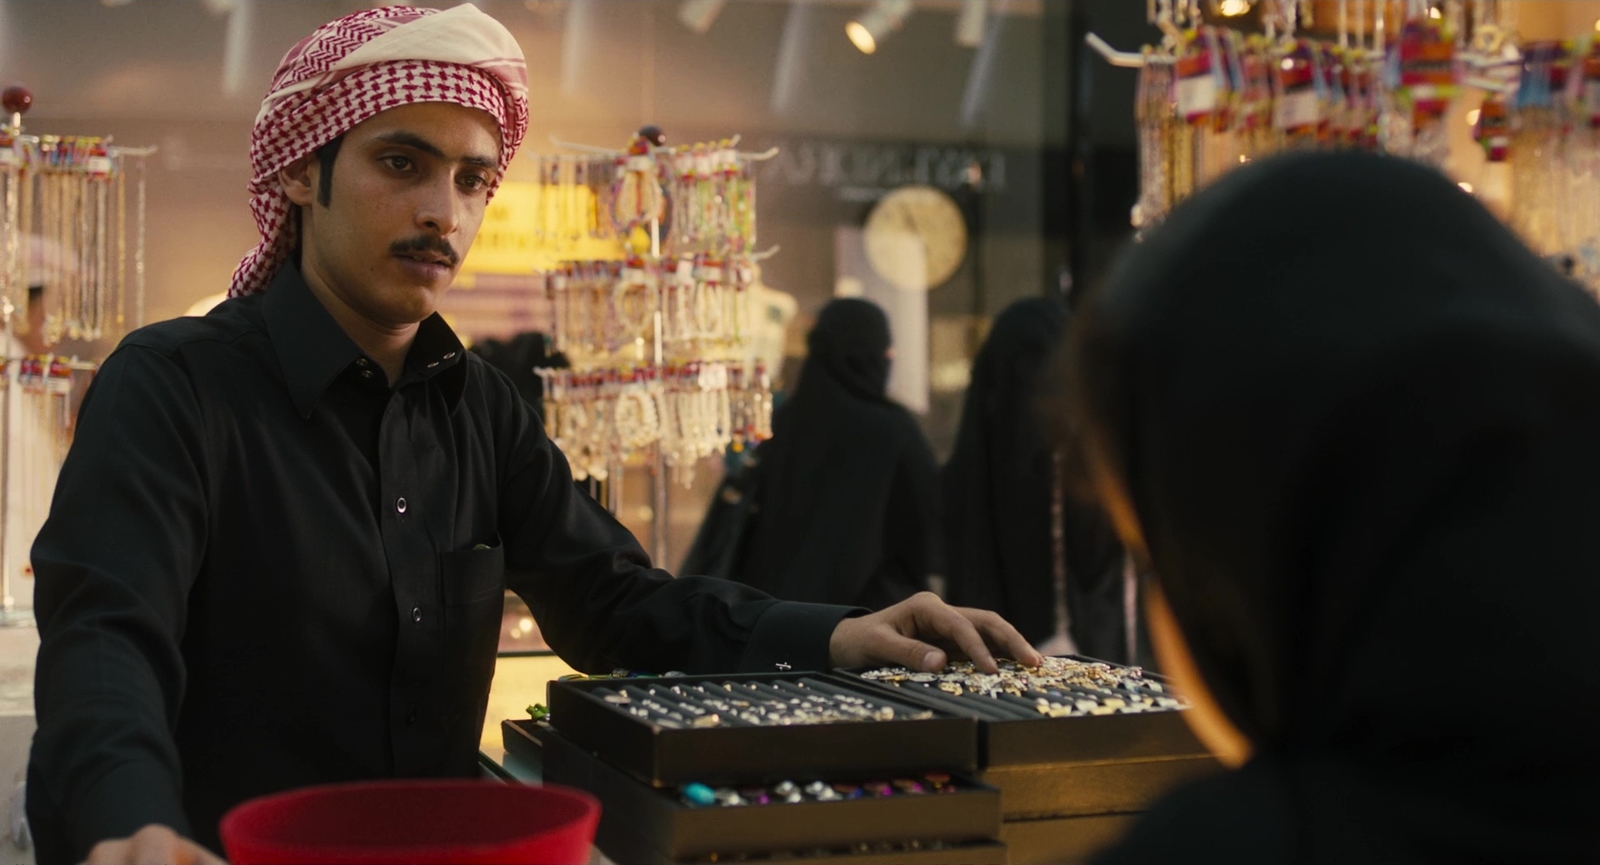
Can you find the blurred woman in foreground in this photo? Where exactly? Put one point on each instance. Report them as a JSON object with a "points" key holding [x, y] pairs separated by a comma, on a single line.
{"points": [[1354, 427]]}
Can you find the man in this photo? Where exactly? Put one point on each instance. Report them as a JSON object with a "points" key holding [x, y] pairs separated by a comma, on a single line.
{"points": [[279, 547]]}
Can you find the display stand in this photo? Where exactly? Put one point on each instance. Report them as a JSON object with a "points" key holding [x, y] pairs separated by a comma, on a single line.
{"points": [[64, 212], [658, 328], [1387, 77]]}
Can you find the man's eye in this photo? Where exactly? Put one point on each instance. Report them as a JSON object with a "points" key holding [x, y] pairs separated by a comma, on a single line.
{"points": [[474, 182], [398, 163]]}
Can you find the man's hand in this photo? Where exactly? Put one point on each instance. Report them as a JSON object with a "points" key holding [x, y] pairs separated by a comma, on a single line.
{"points": [[922, 632], [153, 845]]}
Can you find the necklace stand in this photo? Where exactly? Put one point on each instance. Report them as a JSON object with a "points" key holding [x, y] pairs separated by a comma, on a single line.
{"points": [[89, 263]]}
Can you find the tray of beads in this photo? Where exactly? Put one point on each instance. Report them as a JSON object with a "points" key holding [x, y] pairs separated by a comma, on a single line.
{"points": [[1070, 709], [759, 727], [917, 811]]}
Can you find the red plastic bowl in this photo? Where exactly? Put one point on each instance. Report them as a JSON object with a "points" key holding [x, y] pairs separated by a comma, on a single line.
{"points": [[413, 821]]}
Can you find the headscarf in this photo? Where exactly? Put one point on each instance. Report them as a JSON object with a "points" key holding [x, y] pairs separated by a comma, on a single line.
{"points": [[356, 67], [997, 497], [1357, 420], [848, 487], [849, 346]]}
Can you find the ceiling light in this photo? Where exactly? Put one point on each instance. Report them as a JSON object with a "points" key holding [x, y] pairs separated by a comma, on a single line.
{"points": [[236, 47], [969, 24], [978, 78], [577, 39], [881, 18], [793, 48], [1473, 115], [1233, 8], [699, 15]]}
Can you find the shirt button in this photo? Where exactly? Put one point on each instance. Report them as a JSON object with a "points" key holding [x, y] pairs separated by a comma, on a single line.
{"points": [[416, 614], [366, 373], [363, 362], [400, 505], [449, 355], [432, 365]]}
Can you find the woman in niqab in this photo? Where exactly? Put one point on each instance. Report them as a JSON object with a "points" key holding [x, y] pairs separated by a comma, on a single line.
{"points": [[1015, 540], [1354, 426], [847, 496]]}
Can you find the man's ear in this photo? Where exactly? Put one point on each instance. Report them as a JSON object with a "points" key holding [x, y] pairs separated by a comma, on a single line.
{"points": [[299, 180]]}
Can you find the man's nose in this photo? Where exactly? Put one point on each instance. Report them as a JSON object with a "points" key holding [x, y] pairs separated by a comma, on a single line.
{"points": [[437, 207]]}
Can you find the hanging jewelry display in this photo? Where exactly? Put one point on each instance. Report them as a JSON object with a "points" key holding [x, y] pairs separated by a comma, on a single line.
{"points": [[659, 339], [1538, 146], [572, 198], [637, 198], [1424, 79], [67, 242], [1209, 98]]}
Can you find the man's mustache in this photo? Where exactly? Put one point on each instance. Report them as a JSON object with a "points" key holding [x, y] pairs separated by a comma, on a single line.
{"points": [[425, 243]]}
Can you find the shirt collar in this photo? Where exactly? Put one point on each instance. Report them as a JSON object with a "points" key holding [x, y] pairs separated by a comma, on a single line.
{"points": [[313, 349]]}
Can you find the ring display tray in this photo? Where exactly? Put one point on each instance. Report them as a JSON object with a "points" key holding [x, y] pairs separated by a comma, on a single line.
{"points": [[1078, 765], [656, 728], [1013, 734], [641, 823]]}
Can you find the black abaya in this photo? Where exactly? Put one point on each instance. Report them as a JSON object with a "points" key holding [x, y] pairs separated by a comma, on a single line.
{"points": [[1357, 421], [848, 492], [997, 499]]}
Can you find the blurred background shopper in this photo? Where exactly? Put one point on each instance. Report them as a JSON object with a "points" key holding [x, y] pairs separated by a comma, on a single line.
{"points": [[1016, 541], [847, 489]]}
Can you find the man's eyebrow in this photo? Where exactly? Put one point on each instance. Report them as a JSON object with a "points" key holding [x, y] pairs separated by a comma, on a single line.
{"points": [[417, 142]]}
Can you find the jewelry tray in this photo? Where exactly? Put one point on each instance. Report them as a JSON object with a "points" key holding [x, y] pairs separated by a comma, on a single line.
{"points": [[755, 754], [1078, 739], [641, 823], [1080, 765]]}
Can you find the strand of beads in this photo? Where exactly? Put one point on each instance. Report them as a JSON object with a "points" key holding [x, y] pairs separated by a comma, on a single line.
{"points": [[713, 198], [599, 418], [607, 306]]}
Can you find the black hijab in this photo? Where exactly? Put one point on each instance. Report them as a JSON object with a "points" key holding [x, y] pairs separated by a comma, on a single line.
{"points": [[518, 357], [1359, 423], [847, 495], [998, 494]]}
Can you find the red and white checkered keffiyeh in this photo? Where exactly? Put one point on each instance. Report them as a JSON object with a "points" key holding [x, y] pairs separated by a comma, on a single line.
{"points": [[360, 65]]}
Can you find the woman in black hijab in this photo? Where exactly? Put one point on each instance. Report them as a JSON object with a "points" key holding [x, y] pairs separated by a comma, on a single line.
{"points": [[847, 493], [1001, 491], [1355, 426]]}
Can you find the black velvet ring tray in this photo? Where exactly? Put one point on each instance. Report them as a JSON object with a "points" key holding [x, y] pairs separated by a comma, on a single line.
{"points": [[640, 823], [760, 754], [1020, 740]]}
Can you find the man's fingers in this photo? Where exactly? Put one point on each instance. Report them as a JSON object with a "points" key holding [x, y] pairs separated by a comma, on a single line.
{"points": [[935, 618], [110, 853], [1008, 640], [905, 634], [893, 648], [153, 845], [157, 844]]}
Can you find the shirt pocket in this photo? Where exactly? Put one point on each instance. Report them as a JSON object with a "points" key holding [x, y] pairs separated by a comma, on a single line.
{"points": [[473, 576]]}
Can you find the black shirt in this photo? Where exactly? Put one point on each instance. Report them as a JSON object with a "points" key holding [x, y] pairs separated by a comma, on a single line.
{"points": [[264, 568]]}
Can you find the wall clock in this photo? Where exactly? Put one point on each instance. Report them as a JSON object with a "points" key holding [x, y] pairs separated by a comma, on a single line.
{"points": [[912, 223]]}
